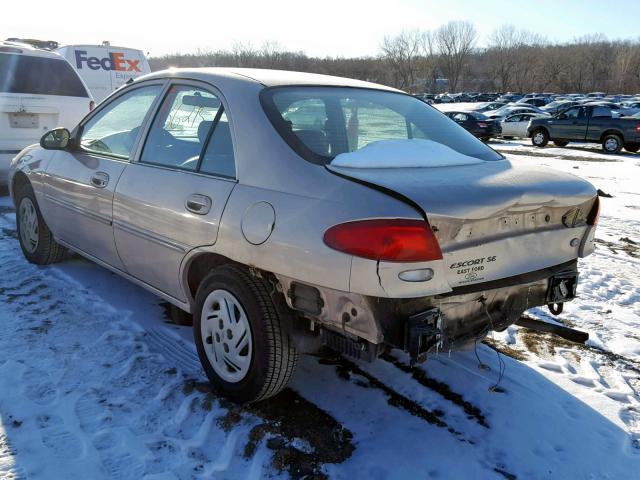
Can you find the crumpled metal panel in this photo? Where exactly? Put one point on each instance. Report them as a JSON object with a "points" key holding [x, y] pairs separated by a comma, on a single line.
{"points": [[477, 191]]}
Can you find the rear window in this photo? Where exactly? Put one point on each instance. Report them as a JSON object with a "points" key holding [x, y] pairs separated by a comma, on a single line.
{"points": [[322, 122], [39, 76]]}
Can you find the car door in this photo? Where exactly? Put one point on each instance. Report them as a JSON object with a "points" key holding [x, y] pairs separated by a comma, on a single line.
{"points": [[563, 125], [521, 124], [171, 198], [509, 125], [79, 184]]}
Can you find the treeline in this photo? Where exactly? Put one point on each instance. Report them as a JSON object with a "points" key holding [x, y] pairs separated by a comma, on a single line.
{"points": [[449, 59]]}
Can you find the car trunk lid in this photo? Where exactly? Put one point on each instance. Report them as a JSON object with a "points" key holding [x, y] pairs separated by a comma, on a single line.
{"points": [[493, 219]]}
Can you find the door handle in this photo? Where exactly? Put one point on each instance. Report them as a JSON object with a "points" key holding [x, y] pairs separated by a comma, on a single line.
{"points": [[99, 179], [198, 204]]}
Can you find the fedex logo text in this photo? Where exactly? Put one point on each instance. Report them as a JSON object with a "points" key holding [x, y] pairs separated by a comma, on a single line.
{"points": [[115, 61]]}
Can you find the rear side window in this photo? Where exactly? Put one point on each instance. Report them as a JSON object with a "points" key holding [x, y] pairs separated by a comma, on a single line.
{"points": [[322, 122], [39, 76]]}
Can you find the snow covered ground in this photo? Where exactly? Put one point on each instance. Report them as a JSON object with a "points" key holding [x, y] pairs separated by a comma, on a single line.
{"points": [[95, 383]]}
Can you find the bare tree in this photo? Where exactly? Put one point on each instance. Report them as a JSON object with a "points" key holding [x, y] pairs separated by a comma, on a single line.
{"points": [[455, 41], [403, 55], [502, 54], [514, 60]]}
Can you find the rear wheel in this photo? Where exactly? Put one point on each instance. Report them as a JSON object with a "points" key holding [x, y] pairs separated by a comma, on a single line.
{"points": [[632, 147], [611, 143], [485, 139], [244, 349], [539, 138], [36, 240], [560, 143]]}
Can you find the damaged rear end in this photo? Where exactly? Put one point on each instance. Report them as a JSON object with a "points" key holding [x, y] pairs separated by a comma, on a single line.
{"points": [[488, 240], [509, 238]]}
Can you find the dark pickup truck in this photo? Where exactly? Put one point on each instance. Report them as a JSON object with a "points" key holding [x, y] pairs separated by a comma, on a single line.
{"points": [[587, 124]]}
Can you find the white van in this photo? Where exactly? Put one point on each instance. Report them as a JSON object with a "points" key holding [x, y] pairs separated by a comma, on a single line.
{"points": [[39, 91], [105, 68]]}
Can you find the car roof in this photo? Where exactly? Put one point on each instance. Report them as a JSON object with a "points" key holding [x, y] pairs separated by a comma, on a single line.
{"points": [[266, 77], [26, 49]]}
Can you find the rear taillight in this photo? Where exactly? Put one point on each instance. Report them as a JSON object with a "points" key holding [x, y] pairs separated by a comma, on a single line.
{"points": [[482, 125], [92, 105], [594, 214], [638, 128], [392, 240]]}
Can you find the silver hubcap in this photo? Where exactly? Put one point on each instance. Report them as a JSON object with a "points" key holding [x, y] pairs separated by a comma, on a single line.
{"points": [[226, 336], [611, 144], [538, 138], [28, 225]]}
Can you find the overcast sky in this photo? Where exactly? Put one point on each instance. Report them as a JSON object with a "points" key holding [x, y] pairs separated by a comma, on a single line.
{"points": [[325, 27]]}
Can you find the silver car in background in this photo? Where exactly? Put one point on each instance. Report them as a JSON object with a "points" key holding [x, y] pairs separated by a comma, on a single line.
{"points": [[287, 211]]}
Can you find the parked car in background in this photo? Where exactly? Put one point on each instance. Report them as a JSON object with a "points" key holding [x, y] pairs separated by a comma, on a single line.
{"points": [[510, 109], [476, 123], [486, 106], [401, 229], [39, 90], [630, 107], [558, 106], [587, 123], [105, 68], [535, 101], [516, 125]]}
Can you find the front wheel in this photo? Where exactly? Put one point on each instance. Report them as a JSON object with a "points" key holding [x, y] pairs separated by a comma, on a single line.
{"points": [[244, 349], [36, 240], [539, 138], [612, 144]]}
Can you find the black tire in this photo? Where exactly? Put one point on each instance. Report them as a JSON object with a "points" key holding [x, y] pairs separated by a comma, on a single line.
{"points": [[560, 143], [485, 139], [632, 147], [539, 138], [507, 137], [273, 356], [47, 250], [612, 143]]}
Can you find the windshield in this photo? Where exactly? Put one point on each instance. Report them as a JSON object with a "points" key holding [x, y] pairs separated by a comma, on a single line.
{"points": [[39, 76], [322, 122]]}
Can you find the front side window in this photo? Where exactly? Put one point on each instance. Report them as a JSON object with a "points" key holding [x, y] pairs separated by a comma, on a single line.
{"points": [[114, 129], [347, 119], [181, 127]]}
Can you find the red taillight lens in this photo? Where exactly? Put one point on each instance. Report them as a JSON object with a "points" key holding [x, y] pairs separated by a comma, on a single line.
{"points": [[592, 219], [392, 240], [638, 128], [92, 105], [482, 125]]}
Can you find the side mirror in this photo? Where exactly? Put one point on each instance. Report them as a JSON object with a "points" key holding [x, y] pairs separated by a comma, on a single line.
{"points": [[56, 139]]}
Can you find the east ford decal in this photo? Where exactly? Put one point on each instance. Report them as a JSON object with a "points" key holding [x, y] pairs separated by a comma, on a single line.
{"points": [[115, 61]]}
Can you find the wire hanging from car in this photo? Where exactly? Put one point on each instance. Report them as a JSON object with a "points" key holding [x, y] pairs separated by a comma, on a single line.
{"points": [[502, 366]]}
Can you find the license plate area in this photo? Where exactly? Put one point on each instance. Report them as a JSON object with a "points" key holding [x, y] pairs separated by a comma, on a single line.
{"points": [[562, 287], [23, 120]]}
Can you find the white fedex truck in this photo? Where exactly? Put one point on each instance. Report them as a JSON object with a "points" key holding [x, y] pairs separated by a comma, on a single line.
{"points": [[105, 68]]}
